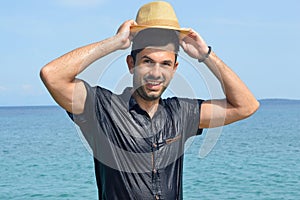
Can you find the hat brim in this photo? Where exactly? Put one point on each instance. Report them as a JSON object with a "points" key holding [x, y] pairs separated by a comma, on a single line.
{"points": [[137, 28]]}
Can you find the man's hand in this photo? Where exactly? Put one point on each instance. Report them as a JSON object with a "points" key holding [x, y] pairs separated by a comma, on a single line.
{"points": [[59, 76], [125, 34], [193, 44], [239, 104]]}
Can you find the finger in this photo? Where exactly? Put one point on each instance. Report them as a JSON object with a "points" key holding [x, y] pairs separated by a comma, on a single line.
{"points": [[126, 25], [183, 44], [184, 34], [131, 22]]}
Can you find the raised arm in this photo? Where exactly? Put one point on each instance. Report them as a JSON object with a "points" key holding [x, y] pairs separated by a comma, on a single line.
{"points": [[59, 76], [240, 103]]}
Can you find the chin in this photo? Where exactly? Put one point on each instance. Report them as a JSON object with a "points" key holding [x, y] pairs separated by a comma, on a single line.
{"points": [[150, 95], [153, 97]]}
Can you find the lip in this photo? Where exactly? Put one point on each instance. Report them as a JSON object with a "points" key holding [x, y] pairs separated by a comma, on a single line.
{"points": [[153, 85]]}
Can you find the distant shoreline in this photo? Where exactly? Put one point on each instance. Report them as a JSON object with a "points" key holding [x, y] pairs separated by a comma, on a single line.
{"points": [[262, 101], [279, 101], [31, 106]]}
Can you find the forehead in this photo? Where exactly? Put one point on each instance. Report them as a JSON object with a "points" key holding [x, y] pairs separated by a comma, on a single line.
{"points": [[156, 53]]}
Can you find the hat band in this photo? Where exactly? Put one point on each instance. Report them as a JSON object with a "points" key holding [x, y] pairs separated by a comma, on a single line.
{"points": [[161, 22]]}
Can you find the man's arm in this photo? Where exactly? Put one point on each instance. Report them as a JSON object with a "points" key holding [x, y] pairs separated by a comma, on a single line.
{"points": [[239, 104], [59, 76]]}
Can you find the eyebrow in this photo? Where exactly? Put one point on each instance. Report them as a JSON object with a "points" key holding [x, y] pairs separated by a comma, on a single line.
{"points": [[164, 61]]}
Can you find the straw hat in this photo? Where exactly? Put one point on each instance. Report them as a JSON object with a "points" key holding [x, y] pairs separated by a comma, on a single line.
{"points": [[157, 14]]}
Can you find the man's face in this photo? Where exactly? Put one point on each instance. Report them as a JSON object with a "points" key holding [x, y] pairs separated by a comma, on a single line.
{"points": [[153, 71]]}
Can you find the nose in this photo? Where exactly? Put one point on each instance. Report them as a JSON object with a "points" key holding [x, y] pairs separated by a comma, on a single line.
{"points": [[155, 71]]}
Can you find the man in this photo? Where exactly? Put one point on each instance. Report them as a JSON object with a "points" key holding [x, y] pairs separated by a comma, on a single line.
{"points": [[138, 138]]}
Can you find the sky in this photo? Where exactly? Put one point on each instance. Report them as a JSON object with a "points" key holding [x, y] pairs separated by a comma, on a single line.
{"points": [[258, 39]]}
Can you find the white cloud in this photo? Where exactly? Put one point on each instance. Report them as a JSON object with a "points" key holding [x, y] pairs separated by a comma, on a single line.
{"points": [[27, 89], [81, 2], [3, 88], [253, 23], [31, 90]]}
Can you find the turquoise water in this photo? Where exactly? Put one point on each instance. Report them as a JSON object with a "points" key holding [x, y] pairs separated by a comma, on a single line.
{"points": [[42, 157]]}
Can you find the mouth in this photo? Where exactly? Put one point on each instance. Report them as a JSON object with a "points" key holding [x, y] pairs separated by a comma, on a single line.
{"points": [[153, 84]]}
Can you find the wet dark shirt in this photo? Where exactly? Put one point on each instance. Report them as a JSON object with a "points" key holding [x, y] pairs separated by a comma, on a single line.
{"points": [[135, 156]]}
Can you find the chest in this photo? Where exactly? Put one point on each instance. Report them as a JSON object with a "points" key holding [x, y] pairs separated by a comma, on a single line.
{"points": [[153, 142]]}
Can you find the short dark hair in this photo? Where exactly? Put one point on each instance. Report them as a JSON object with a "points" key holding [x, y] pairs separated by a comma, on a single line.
{"points": [[154, 37]]}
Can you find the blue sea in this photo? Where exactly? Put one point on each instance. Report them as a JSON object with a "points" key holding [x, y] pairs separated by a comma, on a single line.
{"points": [[43, 157]]}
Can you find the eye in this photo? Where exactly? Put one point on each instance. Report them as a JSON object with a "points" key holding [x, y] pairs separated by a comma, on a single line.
{"points": [[167, 64], [147, 61]]}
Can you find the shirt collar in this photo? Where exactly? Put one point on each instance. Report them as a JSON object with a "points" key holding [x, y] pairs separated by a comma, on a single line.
{"points": [[131, 102]]}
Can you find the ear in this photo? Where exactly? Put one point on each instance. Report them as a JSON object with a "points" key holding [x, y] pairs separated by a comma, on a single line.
{"points": [[174, 69], [175, 66], [130, 63]]}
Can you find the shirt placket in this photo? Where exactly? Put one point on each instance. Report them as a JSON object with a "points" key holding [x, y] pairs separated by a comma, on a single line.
{"points": [[156, 181]]}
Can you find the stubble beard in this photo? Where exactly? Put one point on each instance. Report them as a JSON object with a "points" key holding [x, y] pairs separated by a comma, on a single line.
{"points": [[141, 92]]}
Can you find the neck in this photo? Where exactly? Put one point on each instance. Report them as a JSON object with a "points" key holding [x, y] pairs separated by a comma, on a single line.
{"points": [[149, 106]]}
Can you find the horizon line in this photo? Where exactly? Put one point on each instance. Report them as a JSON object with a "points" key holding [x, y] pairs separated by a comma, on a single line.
{"points": [[56, 105]]}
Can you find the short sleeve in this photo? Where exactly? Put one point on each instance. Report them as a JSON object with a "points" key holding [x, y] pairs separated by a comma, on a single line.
{"points": [[87, 120], [190, 113], [88, 113]]}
